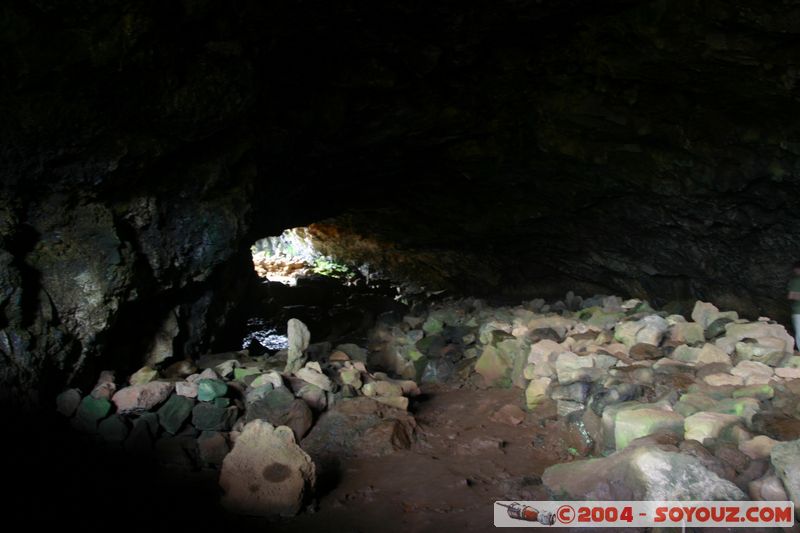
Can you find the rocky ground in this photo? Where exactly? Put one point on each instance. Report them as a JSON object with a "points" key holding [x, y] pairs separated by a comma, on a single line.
{"points": [[450, 407]]}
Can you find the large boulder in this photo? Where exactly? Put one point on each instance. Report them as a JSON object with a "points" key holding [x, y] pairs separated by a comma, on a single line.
{"points": [[266, 473], [648, 330], [359, 427], [639, 473], [769, 339], [785, 458]]}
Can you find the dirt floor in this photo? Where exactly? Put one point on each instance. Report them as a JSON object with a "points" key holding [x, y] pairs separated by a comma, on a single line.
{"points": [[466, 456]]}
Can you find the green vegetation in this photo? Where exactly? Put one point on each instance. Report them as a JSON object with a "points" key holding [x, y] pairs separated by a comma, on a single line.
{"points": [[325, 266]]}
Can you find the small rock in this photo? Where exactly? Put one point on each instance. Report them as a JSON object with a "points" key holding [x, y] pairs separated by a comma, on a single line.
{"points": [[114, 429], [705, 314], [240, 373], [351, 376], [509, 414], [632, 424], [703, 425], [180, 370], [105, 387], [564, 408], [67, 402], [576, 392], [299, 338], [642, 351], [273, 378], [90, 412], [571, 367], [708, 459], [730, 454], [227, 368], [142, 436], [759, 447], [536, 392], [686, 354], [788, 373], [777, 426], [315, 377], [210, 389], [686, 332], [710, 354], [143, 376], [315, 397], [722, 380], [212, 447], [354, 352], [209, 417], [759, 392], [748, 370], [338, 356], [768, 488], [495, 367], [137, 398], [175, 412], [187, 389]]}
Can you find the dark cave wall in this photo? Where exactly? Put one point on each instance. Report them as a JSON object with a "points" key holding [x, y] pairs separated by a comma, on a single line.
{"points": [[644, 148]]}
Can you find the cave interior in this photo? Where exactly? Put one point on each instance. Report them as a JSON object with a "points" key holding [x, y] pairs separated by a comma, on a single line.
{"points": [[435, 178]]}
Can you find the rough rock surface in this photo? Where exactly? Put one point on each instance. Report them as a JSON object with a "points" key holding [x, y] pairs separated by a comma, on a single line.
{"points": [[266, 473], [639, 473], [359, 426]]}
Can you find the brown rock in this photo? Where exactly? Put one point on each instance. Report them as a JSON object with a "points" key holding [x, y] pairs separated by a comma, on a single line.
{"points": [[642, 351], [509, 414], [137, 398]]}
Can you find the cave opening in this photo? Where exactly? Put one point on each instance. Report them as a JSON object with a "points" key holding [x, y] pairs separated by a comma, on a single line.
{"points": [[304, 267]]}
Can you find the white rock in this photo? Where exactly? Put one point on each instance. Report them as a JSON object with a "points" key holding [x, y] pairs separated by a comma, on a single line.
{"points": [[571, 367], [185, 388], [299, 338], [315, 378], [705, 424]]}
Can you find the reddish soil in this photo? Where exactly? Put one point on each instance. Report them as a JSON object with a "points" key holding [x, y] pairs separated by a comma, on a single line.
{"points": [[463, 460]]}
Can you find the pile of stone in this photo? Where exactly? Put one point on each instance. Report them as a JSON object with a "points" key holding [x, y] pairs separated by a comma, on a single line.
{"points": [[670, 408], [248, 416], [703, 408]]}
